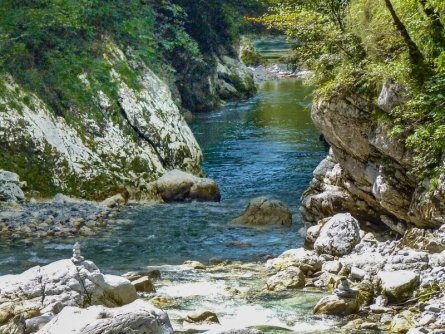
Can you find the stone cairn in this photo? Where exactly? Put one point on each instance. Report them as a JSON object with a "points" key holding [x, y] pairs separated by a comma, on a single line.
{"points": [[77, 256], [343, 289]]}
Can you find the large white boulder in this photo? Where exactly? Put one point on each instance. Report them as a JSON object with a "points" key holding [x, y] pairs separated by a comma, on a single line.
{"points": [[46, 290], [262, 211], [398, 285], [136, 318], [338, 236], [177, 185]]}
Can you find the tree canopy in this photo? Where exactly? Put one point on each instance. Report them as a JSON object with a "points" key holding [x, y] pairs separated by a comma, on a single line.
{"points": [[354, 46]]}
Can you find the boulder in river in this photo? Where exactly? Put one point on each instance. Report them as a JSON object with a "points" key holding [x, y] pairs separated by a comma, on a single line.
{"points": [[138, 317], [338, 236], [178, 186], [262, 211]]}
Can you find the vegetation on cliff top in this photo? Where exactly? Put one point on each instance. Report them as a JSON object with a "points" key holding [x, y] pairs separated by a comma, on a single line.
{"points": [[47, 44], [357, 45]]}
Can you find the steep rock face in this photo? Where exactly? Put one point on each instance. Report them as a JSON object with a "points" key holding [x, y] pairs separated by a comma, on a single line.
{"points": [[204, 85], [136, 136], [366, 171]]}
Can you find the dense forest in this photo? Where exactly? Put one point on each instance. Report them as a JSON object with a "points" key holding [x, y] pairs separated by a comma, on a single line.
{"points": [[354, 46], [46, 45]]}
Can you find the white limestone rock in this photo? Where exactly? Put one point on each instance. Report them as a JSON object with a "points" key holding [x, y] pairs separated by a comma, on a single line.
{"points": [[177, 185], [289, 278], [57, 285], [398, 285], [338, 236], [138, 317], [306, 260], [10, 190]]}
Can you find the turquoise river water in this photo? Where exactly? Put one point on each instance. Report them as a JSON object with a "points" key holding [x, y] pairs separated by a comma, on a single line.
{"points": [[265, 146]]}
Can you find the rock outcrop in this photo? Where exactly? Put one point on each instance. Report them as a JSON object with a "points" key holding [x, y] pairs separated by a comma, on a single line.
{"points": [[10, 190], [367, 170], [262, 211], [129, 140], [73, 296]]}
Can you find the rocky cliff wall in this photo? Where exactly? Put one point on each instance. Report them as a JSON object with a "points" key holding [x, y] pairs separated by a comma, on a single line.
{"points": [[134, 138], [367, 171]]}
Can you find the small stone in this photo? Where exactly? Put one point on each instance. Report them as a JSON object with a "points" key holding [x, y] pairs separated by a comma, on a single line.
{"points": [[426, 320], [399, 285], [77, 256], [368, 325], [358, 274], [332, 267], [334, 305], [144, 284], [402, 322], [195, 265], [289, 278], [386, 319], [202, 316], [86, 231]]}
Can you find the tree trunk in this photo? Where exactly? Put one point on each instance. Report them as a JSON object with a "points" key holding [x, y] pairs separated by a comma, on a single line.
{"points": [[416, 57]]}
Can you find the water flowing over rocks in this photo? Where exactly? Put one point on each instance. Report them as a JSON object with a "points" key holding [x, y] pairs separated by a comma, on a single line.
{"points": [[262, 211]]}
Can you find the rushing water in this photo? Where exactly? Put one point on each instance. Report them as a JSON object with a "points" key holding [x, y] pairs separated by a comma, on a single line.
{"points": [[265, 146]]}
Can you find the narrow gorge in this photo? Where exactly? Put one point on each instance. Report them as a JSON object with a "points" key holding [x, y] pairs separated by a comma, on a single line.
{"points": [[222, 167]]}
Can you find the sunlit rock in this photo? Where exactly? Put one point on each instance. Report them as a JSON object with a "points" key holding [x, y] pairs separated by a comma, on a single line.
{"points": [[262, 211], [177, 185], [338, 236], [138, 317]]}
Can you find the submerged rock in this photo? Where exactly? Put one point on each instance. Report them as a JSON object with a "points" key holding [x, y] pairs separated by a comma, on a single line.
{"points": [[177, 185], [262, 211], [338, 236], [137, 318]]}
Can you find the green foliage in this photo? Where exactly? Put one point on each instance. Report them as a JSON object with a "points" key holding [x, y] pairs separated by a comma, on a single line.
{"points": [[249, 55], [354, 46]]}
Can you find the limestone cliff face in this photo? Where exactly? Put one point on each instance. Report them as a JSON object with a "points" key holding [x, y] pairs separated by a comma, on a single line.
{"points": [[206, 84], [366, 171], [94, 155]]}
